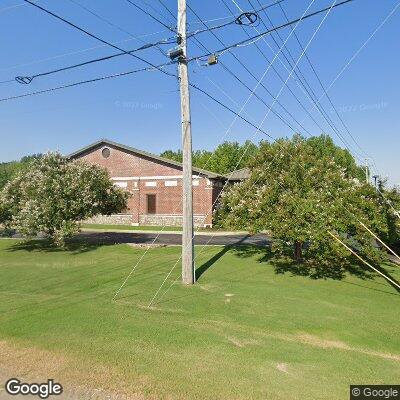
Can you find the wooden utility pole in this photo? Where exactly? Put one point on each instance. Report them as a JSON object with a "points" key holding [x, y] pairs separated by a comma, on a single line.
{"points": [[188, 274]]}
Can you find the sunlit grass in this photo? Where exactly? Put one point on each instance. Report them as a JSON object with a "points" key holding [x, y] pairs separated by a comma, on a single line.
{"points": [[241, 332]]}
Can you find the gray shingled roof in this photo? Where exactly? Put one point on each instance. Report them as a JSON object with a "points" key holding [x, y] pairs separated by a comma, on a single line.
{"points": [[239, 174], [208, 174]]}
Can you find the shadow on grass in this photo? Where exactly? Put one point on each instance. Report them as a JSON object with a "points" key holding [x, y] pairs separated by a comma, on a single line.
{"points": [[209, 263], [286, 265], [265, 255], [42, 245]]}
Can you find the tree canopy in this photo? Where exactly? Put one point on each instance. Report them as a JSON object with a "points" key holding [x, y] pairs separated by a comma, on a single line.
{"points": [[52, 195], [299, 190], [10, 169], [226, 157]]}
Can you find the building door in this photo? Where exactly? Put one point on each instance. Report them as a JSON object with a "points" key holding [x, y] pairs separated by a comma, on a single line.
{"points": [[151, 203]]}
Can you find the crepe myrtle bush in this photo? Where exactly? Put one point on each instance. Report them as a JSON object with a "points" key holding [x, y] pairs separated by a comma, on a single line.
{"points": [[54, 194], [299, 190]]}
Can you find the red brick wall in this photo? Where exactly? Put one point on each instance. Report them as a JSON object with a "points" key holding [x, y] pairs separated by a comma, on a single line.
{"points": [[122, 164]]}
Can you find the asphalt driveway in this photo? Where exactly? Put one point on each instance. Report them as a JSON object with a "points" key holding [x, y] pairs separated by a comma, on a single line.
{"points": [[173, 238]]}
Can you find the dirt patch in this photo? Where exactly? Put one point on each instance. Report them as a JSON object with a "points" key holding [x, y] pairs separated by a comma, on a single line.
{"points": [[283, 367], [336, 344], [220, 327], [242, 342], [80, 379], [146, 246], [323, 343]]}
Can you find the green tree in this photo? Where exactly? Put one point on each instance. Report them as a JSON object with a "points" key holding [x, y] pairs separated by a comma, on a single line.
{"points": [[390, 203], [172, 155], [298, 191], [10, 169], [53, 194], [227, 157], [323, 146]]}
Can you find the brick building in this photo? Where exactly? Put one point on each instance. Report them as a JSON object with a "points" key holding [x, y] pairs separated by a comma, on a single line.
{"points": [[155, 184]]}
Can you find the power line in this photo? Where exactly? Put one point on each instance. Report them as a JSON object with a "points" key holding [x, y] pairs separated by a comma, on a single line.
{"points": [[71, 53], [318, 79], [10, 7], [156, 10], [219, 102], [279, 75], [306, 87], [101, 18], [363, 261], [262, 34], [151, 16], [260, 125], [246, 86], [7, 81], [28, 79], [262, 8], [37, 92], [93, 36], [171, 40], [166, 8], [356, 54], [237, 18], [229, 109], [251, 73], [228, 16], [108, 22], [260, 98], [328, 231]]}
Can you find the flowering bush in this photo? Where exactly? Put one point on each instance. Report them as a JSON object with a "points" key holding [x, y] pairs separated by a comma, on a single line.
{"points": [[298, 191], [54, 194]]}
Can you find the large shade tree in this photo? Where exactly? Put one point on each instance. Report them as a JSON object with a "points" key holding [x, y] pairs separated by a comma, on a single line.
{"points": [[54, 194], [299, 190]]}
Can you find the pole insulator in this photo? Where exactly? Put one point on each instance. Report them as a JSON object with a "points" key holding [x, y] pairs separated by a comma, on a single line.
{"points": [[176, 53]]}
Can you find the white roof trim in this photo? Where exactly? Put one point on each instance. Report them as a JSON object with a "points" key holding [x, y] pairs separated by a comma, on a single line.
{"points": [[136, 178]]}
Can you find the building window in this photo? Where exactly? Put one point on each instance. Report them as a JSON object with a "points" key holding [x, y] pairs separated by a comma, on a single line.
{"points": [[171, 183], [151, 184], [196, 183], [120, 184], [151, 200], [105, 152]]}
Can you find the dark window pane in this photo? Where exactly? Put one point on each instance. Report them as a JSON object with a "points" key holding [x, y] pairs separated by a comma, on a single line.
{"points": [[151, 204]]}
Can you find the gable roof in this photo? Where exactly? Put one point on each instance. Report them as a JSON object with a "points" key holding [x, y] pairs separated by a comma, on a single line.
{"points": [[239, 174], [200, 171]]}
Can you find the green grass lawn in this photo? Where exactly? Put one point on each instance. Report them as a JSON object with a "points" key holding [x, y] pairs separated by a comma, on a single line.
{"points": [[242, 332]]}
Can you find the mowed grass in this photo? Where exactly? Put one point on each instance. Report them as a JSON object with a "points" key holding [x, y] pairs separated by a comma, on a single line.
{"points": [[242, 332]]}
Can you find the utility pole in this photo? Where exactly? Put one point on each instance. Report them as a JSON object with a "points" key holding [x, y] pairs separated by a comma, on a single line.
{"points": [[376, 181], [188, 274], [366, 170]]}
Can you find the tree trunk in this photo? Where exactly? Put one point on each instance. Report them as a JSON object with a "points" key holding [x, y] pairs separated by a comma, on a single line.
{"points": [[298, 250]]}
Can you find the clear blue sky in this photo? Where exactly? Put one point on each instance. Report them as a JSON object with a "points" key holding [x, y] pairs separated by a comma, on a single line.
{"points": [[142, 110]]}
